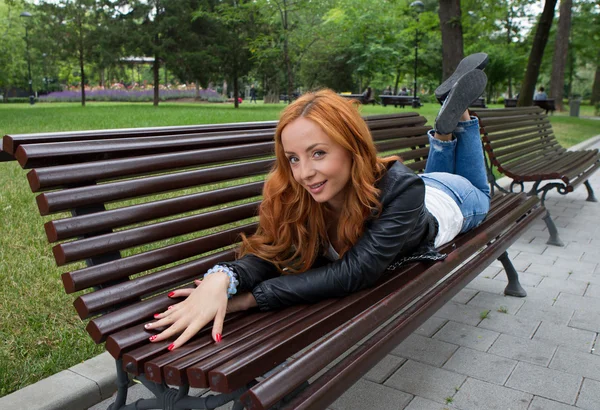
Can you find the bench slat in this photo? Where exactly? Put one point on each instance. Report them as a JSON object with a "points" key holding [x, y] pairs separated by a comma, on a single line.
{"points": [[86, 224], [96, 275], [102, 299], [541, 123]]}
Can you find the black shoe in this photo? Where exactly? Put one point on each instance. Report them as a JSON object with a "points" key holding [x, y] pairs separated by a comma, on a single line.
{"points": [[476, 61], [467, 89]]}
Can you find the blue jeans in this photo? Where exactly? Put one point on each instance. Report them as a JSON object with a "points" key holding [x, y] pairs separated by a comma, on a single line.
{"points": [[457, 167]]}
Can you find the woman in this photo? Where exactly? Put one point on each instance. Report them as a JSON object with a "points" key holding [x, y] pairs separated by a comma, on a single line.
{"points": [[335, 216]]}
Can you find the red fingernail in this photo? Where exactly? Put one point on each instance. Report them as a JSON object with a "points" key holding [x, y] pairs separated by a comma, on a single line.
{"points": [[218, 337], [152, 338], [156, 315], [170, 307], [171, 294], [171, 346]]}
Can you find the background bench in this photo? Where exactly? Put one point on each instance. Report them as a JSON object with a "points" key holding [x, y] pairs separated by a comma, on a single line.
{"points": [[358, 97], [520, 144], [400, 100], [547, 105], [478, 103], [147, 222]]}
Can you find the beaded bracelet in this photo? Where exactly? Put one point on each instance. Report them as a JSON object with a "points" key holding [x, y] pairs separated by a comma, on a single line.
{"points": [[233, 282]]}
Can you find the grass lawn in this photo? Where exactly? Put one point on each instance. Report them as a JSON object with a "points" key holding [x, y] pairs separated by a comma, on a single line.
{"points": [[39, 328]]}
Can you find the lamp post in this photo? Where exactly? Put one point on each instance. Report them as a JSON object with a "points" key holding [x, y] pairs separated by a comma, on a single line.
{"points": [[31, 96], [418, 6]]}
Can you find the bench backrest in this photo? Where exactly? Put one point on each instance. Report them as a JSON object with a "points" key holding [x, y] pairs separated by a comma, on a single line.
{"points": [[149, 223], [516, 136]]}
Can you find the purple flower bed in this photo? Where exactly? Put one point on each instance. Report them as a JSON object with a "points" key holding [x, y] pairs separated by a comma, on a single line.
{"points": [[130, 96]]}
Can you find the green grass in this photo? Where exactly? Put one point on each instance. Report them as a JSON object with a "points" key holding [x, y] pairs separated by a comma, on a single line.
{"points": [[41, 333]]}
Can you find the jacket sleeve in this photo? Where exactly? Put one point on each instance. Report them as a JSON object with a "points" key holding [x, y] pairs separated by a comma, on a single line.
{"points": [[362, 265], [252, 270]]}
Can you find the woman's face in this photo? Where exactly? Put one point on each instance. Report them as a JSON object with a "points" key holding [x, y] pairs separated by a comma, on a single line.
{"points": [[319, 164]]}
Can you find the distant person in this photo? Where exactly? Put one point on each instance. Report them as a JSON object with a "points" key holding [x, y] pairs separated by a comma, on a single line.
{"points": [[367, 95], [388, 90], [403, 91], [253, 94], [540, 95]]}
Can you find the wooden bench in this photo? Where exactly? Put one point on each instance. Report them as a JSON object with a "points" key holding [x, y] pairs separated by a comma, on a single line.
{"points": [[400, 100], [359, 97], [520, 144], [547, 105], [478, 103], [147, 224]]}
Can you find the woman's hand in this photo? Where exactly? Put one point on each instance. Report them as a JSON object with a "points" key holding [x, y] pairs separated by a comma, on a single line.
{"points": [[205, 303]]}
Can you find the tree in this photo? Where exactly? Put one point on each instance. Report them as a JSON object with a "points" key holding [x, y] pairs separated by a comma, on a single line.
{"points": [[537, 52], [561, 48], [452, 36], [13, 66]]}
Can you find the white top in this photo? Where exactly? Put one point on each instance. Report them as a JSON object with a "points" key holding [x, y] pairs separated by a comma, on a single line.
{"points": [[447, 213]]}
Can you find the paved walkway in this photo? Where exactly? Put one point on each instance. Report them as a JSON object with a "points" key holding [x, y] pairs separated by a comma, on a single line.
{"points": [[484, 351]]}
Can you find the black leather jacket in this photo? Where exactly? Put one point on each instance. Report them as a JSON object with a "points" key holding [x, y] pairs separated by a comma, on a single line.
{"points": [[404, 230]]}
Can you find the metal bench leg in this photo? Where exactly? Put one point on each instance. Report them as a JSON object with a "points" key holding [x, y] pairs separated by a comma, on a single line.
{"points": [[122, 387], [514, 287], [554, 238], [591, 197], [534, 189]]}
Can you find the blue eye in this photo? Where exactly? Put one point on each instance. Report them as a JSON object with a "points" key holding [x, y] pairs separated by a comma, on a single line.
{"points": [[318, 154]]}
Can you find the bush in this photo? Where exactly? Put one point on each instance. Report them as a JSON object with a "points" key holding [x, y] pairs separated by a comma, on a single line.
{"points": [[500, 100], [19, 100], [130, 96], [597, 109]]}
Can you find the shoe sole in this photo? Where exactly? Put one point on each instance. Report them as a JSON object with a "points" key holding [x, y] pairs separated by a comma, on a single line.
{"points": [[466, 90], [476, 61]]}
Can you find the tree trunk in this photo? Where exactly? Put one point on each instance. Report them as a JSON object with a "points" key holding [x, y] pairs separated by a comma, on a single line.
{"points": [[596, 87], [82, 76], [156, 70], [452, 36], [236, 89], [286, 54], [561, 48], [535, 57]]}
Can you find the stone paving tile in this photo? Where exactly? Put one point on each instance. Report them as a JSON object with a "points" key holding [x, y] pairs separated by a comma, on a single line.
{"points": [[487, 285], [540, 403], [480, 365], [554, 271], [431, 326], [425, 381], [539, 259], [591, 278], [575, 266], [478, 395], [425, 350], [384, 369], [537, 311], [590, 257], [537, 249], [509, 324], [520, 265], [589, 397], [368, 395], [563, 335], [544, 382], [593, 291], [573, 249], [464, 295], [573, 287], [419, 403], [586, 320], [458, 312], [578, 302], [466, 335], [523, 350], [490, 272], [494, 302], [544, 296], [577, 363]]}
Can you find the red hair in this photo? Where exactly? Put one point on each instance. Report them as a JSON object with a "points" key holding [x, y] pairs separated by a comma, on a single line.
{"points": [[292, 229]]}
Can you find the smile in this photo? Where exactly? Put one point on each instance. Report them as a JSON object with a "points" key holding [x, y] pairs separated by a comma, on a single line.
{"points": [[316, 188]]}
